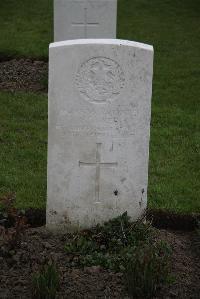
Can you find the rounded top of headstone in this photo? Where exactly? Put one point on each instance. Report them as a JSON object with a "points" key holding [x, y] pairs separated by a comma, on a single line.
{"points": [[119, 42]]}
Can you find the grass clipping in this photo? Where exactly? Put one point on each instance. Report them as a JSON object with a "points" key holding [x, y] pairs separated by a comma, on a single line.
{"points": [[123, 246]]}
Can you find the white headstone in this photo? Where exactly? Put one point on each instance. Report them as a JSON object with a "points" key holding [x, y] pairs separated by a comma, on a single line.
{"points": [[75, 19], [99, 127]]}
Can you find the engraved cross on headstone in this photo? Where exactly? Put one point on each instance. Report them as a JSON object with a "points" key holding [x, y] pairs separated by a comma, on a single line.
{"points": [[98, 164], [86, 23]]}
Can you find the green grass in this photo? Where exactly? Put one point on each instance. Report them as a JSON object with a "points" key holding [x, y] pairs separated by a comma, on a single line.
{"points": [[23, 141], [173, 27], [26, 27], [174, 171]]}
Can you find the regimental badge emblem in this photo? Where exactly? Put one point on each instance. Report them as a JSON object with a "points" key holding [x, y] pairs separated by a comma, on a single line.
{"points": [[100, 79]]}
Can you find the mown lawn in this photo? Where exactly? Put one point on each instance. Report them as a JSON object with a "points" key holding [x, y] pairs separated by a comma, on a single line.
{"points": [[173, 27], [23, 141], [26, 28]]}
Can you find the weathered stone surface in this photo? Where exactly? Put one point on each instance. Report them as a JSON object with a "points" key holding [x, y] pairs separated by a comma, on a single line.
{"points": [[74, 19], [99, 127]]}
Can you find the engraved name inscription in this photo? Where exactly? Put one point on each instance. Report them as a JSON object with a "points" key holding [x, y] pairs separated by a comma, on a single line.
{"points": [[100, 79]]}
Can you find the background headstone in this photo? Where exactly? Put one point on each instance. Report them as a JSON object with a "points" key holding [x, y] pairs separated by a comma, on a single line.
{"points": [[99, 128], [74, 19]]}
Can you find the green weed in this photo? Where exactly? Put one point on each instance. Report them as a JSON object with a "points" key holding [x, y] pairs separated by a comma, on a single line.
{"points": [[146, 269], [127, 247], [46, 282]]}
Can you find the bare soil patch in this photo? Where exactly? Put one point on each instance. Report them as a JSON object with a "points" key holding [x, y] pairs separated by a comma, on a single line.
{"points": [[24, 75], [160, 219], [37, 246]]}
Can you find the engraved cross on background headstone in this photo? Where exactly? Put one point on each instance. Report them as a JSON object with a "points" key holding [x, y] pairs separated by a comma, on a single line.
{"points": [[98, 164], [85, 23]]}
